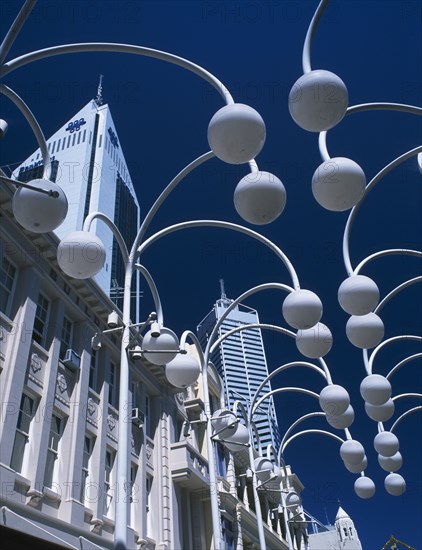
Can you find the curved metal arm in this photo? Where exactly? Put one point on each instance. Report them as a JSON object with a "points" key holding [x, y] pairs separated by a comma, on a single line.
{"points": [[116, 233], [396, 291], [297, 422], [283, 390], [15, 29], [369, 187], [163, 196], [388, 252], [278, 371], [378, 106], [402, 363], [192, 336], [154, 292], [225, 225], [306, 55], [33, 123], [117, 48], [304, 432], [403, 416], [386, 342], [407, 395]]}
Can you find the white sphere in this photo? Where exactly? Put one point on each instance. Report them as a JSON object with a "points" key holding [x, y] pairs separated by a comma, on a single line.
{"points": [[419, 159], [167, 340], [380, 413], [386, 444], [375, 389], [338, 184], [224, 423], [302, 309], [364, 487], [81, 254], [318, 100], [365, 331], [334, 399], [38, 212], [341, 421], [357, 468], [395, 485], [236, 133], [183, 371], [239, 440], [391, 463], [259, 198], [314, 342], [263, 468], [352, 452], [358, 295]]}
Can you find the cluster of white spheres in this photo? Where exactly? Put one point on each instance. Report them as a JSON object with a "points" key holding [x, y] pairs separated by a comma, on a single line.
{"points": [[338, 184], [386, 444], [364, 487], [40, 212], [375, 389], [352, 452], [391, 463], [318, 100], [167, 343], [259, 198], [334, 400], [183, 371], [358, 295], [380, 413], [395, 485], [357, 468], [314, 342], [302, 309], [236, 133], [365, 331], [341, 421], [81, 254]]}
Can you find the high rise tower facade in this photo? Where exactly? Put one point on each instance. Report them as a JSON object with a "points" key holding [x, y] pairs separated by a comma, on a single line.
{"points": [[88, 164], [241, 362]]}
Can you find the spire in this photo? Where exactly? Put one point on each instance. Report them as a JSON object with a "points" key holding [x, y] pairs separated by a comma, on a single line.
{"points": [[222, 290], [99, 99], [341, 514]]}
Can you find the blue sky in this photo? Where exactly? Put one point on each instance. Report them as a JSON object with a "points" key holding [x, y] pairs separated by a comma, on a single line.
{"points": [[162, 112]]}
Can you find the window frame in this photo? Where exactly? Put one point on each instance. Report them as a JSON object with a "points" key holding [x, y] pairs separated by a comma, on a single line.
{"points": [[41, 335], [3, 288]]}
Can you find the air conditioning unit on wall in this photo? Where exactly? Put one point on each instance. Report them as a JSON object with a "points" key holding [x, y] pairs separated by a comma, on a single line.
{"points": [[72, 360], [138, 417]]}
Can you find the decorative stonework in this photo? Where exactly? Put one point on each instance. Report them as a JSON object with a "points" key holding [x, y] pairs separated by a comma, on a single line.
{"points": [[36, 363], [148, 451], [111, 422], [91, 407], [61, 383]]}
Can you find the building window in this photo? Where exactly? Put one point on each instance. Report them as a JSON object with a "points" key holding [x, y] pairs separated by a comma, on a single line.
{"points": [[108, 476], [84, 136], [100, 141], [134, 489], [7, 285], [86, 462], [66, 337], [64, 143], [149, 512], [93, 370], [20, 445], [51, 467], [41, 318], [113, 397], [58, 144], [79, 137], [68, 142], [147, 416], [73, 139]]}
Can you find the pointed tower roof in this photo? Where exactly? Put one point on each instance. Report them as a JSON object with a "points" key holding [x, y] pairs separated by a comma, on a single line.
{"points": [[341, 514]]}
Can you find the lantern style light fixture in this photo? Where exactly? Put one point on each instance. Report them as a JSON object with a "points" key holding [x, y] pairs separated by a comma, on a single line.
{"points": [[183, 370], [302, 309], [81, 254], [40, 212], [314, 342], [364, 487]]}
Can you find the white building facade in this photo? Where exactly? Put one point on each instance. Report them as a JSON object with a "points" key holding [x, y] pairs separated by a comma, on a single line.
{"points": [[59, 422], [340, 536]]}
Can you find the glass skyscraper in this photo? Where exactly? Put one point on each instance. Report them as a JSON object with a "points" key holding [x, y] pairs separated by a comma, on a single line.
{"points": [[241, 362], [89, 165]]}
